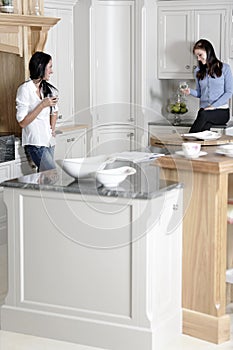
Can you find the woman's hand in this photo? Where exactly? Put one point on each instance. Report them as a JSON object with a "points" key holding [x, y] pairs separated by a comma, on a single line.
{"points": [[49, 101], [185, 91]]}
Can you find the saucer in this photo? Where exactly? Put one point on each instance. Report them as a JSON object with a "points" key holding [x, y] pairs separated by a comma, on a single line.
{"points": [[227, 154], [181, 153]]}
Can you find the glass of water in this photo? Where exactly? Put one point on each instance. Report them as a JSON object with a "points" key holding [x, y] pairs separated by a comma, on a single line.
{"points": [[183, 85]]}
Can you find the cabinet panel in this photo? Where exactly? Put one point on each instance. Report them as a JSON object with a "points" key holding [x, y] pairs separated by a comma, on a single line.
{"points": [[71, 145], [112, 62], [174, 39], [60, 46], [210, 25], [111, 140], [6, 171]]}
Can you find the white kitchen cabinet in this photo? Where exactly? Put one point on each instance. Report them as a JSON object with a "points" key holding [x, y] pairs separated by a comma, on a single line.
{"points": [[112, 61], [60, 46], [111, 139], [180, 26], [108, 76], [71, 144]]}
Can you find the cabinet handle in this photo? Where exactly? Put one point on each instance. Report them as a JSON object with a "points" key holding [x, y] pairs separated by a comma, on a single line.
{"points": [[194, 67], [131, 119], [131, 134], [187, 66], [71, 139], [60, 116], [175, 207]]}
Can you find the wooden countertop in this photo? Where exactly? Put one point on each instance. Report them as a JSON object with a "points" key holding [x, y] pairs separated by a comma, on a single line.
{"points": [[210, 163], [72, 127], [177, 140]]}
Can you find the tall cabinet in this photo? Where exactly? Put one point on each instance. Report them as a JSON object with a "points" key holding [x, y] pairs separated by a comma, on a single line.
{"points": [[59, 45], [113, 71]]}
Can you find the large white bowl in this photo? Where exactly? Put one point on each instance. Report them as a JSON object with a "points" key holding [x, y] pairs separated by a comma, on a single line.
{"points": [[113, 177], [83, 167]]}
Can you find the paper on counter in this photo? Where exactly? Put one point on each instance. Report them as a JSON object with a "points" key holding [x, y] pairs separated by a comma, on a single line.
{"points": [[136, 157]]}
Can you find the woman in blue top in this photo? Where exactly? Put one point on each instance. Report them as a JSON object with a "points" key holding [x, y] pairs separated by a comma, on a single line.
{"points": [[214, 87]]}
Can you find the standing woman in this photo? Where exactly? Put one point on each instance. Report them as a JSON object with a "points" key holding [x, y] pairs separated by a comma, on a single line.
{"points": [[214, 87], [36, 104]]}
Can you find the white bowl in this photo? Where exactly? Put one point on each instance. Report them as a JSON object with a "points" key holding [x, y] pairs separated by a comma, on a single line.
{"points": [[83, 167], [113, 177]]}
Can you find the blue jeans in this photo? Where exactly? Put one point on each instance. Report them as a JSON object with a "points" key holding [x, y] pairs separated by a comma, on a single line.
{"points": [[42, 156]]}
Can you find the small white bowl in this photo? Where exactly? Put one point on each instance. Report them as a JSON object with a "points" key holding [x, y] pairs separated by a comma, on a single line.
{"points": [[113, 177], [83, 167]]}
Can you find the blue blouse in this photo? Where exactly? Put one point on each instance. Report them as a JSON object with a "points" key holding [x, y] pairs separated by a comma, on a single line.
{"points": [[214, 92]]}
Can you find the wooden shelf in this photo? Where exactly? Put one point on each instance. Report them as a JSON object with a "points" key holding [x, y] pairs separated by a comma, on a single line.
{"points": [[27, 20]]}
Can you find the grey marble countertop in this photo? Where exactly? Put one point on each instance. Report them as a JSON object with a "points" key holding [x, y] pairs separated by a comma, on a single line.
{"points": [[144, 184]]}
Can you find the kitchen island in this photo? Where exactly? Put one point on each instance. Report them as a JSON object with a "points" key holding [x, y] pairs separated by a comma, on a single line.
{"points": [[207, 186], [95, 266]]}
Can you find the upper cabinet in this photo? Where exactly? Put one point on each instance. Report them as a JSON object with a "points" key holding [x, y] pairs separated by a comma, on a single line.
{"points": [[180, 26]]}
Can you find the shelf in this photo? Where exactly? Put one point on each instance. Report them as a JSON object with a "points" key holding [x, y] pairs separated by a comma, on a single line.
{"points": [[27, 20]]}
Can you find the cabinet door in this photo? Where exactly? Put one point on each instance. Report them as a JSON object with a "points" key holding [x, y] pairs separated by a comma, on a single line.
{"points": [[109, 140], [60, 46], [6, 171], [179, 30], [175, 44], [72, 145], [211, 25], [112, 61]]}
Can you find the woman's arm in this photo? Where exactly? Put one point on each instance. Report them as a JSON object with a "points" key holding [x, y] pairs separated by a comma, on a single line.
{"points": [[228, 88], [34, 113]]}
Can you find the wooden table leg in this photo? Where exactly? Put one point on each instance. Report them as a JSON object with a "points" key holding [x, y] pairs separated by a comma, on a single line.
{"points": [[204, 254]]}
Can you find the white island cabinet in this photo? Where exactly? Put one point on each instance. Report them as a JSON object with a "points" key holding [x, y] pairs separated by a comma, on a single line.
{"points": [[94, 266]]}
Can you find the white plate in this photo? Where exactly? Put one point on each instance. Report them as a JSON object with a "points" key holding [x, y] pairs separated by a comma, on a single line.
{"points": [[219, 151], [203, 135], [181, 153]]}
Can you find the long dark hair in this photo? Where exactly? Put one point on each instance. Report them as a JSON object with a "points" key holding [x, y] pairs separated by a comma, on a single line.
{"points": [[213, 66], [37, 65]]}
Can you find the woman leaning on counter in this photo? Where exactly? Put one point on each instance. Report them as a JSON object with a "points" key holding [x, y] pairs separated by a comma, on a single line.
{"points": [[214, 88], [36, 103]]}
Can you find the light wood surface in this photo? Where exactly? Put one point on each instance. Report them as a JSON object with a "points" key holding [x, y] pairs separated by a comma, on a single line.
{"points": [[206, 190], [177, 140]]}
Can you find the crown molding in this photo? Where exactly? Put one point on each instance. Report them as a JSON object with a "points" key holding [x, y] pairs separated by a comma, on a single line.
{"points": [[60, 3]]}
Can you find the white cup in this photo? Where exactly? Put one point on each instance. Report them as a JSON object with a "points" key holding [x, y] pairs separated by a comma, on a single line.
{"points": [[191, 149]]}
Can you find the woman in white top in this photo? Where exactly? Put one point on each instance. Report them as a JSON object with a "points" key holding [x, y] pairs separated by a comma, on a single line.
{"points": [[36, 104]]}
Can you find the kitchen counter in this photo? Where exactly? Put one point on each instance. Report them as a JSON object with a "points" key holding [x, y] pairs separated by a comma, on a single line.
{"points": [[145, 184], [84, 260], [208, 183]]}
